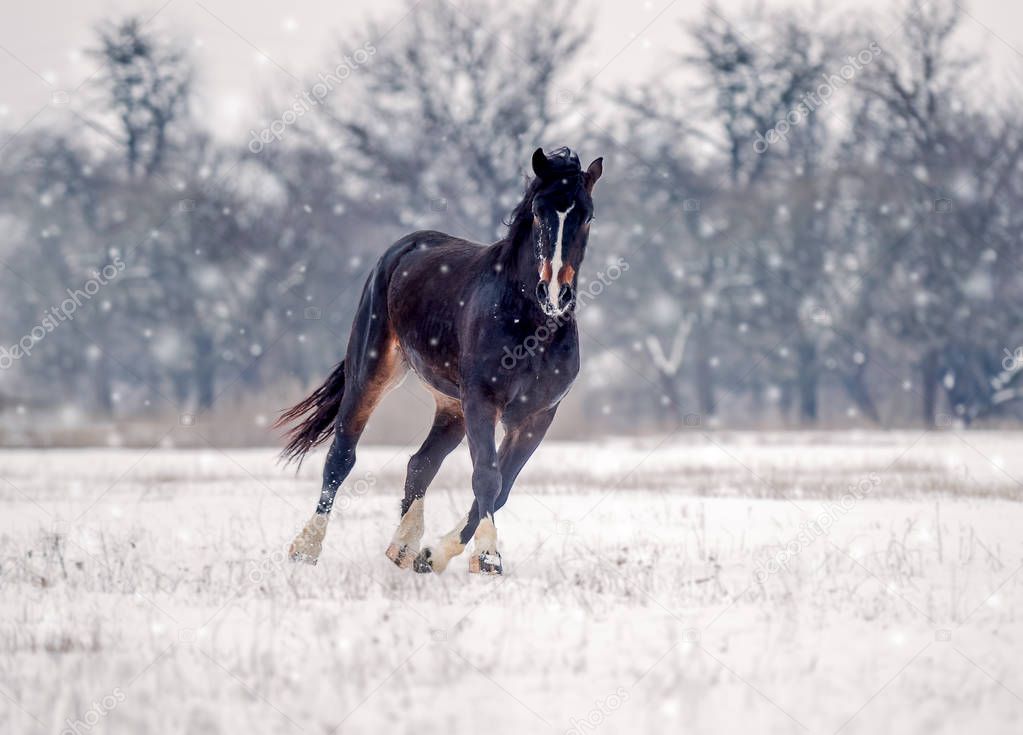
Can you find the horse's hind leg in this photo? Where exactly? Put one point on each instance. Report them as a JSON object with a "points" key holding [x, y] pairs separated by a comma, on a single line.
{"points": [[446, 433], [372, 368]]}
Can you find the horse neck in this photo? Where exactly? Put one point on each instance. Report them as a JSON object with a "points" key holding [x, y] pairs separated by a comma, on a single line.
{"points": [[518, 259]]}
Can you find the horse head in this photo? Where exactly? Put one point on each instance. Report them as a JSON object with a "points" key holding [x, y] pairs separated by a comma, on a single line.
{"points": [[562, 210]]}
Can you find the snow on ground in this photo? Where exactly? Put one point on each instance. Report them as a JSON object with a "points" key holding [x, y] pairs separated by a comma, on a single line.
{"points": [[779, 583]]}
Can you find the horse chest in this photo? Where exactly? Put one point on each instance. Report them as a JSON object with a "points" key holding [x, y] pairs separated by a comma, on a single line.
{"points": [[541, 377]]}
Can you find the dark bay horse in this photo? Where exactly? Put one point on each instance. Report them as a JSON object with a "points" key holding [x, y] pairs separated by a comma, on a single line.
{"points": [[453, 311]]}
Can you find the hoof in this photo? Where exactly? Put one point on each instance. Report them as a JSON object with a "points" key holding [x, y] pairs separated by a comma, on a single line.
{"points": [[303, 558], [486, 563], [308, 544], [303, 551], [403, 556], [423, 563]]}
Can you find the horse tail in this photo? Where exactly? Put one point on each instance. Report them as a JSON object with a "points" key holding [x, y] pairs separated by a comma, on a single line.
{"points": [[316, 414]]}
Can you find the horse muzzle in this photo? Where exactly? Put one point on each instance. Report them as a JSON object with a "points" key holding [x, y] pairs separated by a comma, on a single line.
{"points": [[565, 301]]}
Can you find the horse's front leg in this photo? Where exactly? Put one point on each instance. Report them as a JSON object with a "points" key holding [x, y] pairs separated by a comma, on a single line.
{"points": [[518, 446], [486, 487], [480, 423]]}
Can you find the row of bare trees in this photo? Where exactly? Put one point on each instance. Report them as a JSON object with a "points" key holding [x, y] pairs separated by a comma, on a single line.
{"points": [[870, 260], [819, 218]]}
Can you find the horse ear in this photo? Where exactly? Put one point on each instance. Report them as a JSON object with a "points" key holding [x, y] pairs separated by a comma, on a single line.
{"points": [[593, 173], [541, 166]]}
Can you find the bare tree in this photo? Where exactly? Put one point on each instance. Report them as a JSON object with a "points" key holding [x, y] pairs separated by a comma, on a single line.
{"points": [[744, 87], [951, 194], [439, 122], [148, 83]]}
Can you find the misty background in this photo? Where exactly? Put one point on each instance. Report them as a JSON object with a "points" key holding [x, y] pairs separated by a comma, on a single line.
{"points": [[814, 206]]}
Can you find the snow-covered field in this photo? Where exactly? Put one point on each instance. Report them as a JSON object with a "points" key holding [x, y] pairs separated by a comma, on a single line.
{"points": [[707, 583]]}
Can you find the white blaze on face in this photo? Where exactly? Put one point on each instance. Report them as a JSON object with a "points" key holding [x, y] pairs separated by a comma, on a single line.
{"points": [[557, 260]]}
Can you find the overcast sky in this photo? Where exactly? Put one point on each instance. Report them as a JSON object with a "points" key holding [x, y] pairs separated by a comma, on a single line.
{"points": [[245, 49]]}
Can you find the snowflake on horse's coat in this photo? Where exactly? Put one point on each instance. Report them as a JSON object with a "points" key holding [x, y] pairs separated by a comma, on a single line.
{"points": [[449, 309]]}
